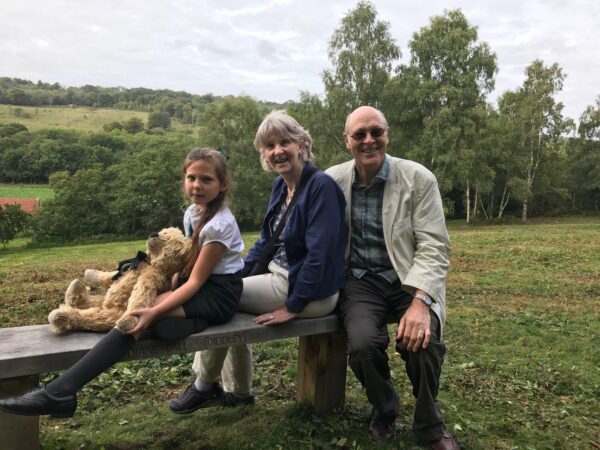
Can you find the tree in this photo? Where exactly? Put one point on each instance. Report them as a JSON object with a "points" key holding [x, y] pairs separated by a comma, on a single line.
{"points": [[585, 160], [504, 156], [108, 127], [361, 51], [80, 206], [133, 125], [12, 221], [159, 119], [20, 113], [439, 102], [135, 196], [34, 156], [113, 142], [147, 190], [538, 124], [231, 125], [10, 129], [325, 127]]}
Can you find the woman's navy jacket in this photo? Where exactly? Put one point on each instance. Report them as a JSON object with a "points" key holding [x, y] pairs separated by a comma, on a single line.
{"points": [[314, 238]]}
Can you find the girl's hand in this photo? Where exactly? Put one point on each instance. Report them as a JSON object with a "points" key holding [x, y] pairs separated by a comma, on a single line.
{"points": [[145, 318], [280, 315], [174, 281]]}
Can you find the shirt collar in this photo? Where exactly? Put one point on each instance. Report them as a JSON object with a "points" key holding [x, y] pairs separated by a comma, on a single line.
{"points": [[382, 176]]}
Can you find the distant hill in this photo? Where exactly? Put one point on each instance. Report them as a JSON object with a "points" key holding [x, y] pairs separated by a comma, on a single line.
{"points": [[18, 92], [77, 118], [180, 105], [67, 117]]}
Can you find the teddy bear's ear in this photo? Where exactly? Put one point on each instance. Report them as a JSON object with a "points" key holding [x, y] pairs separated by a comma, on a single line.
{"points": [[185, 248], [172, 233]]}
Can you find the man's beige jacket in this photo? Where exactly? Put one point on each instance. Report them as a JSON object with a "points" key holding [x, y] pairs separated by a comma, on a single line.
{"points": [[414, 227]]}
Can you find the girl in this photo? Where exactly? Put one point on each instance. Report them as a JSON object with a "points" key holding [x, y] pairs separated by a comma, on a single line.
{"points": [[306, 268], [207, 291]]}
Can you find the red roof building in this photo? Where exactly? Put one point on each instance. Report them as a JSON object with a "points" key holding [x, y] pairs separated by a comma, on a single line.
{"points": [[27, 205]]}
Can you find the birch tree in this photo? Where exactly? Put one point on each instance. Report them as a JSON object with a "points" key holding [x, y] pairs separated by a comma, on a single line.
{"points": [[362, 54], [440, 98], [537, 120]]}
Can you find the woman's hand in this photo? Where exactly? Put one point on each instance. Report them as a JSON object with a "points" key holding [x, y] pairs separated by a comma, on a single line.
{"points": [[145, 318], [280, 315]]}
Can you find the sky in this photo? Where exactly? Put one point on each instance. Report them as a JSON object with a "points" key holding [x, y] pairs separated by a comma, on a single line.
{"points": [[274, 49]]}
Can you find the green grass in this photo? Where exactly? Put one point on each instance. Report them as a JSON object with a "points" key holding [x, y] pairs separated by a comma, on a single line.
{"points": [[522, 369], [77, 118], [41, 191]]}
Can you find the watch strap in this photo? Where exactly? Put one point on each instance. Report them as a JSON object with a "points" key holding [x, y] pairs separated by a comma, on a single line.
{"points": [[423, 297]]}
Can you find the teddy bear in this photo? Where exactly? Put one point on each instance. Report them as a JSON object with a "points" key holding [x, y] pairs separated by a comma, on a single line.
{"points": [[135, 285]]}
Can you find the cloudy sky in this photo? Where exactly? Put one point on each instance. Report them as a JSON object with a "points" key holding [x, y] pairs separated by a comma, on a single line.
{"points": [[273, 49]]}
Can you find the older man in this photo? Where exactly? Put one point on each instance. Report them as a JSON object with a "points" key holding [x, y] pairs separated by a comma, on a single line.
{"points": [[397, 259]]}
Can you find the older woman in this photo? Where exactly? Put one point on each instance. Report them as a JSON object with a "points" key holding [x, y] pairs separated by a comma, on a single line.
{"points": [[306, 268]]}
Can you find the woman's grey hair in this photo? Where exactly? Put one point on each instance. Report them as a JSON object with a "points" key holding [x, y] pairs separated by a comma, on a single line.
{"points": [[280, 123]]}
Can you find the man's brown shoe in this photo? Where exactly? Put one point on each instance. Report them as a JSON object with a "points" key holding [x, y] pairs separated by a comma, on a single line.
{"points": [[446, 442]]}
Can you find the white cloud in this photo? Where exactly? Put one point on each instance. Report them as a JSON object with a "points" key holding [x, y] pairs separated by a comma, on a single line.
{"points": [[274, 49]]}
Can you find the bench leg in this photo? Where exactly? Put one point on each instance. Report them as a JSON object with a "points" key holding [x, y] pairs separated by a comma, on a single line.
{"points": [[321, 377], [22, 432]]}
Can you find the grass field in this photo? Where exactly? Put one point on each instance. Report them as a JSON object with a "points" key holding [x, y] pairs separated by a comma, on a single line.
{"points": [[41, 191], [78, 118], [522, 370]]}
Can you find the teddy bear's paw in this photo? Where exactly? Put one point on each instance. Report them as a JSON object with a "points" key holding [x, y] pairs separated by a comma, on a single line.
{"points": [[127, 323], [59, 321], [98, 277], [76, 295], [92, 276]]}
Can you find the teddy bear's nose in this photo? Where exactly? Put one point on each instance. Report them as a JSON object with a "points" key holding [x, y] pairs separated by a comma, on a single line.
{"points": [[153, 235]]}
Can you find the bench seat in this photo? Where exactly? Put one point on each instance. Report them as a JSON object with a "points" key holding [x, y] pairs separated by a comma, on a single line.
{"points": [[26, 352], [32, 350]]}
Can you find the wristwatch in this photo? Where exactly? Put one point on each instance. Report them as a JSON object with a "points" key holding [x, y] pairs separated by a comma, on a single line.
{"points": [[424, 298]]}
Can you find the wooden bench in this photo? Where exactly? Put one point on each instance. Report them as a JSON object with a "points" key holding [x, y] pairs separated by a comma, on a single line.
{"points": [[26, 352]]}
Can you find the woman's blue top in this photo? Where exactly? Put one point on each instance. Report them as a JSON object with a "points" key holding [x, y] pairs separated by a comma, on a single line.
{"points": [[314, 238]]}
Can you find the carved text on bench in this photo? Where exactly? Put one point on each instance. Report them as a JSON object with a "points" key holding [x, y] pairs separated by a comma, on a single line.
{"points": [[225, 340], [157, 348]]}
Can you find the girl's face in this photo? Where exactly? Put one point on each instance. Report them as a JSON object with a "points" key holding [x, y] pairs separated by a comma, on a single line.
{"points": [[202, 185], [283, 155]]}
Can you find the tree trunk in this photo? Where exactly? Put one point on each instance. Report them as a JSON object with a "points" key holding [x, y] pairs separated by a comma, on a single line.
{"points": [[483, 208], [503, 201], [475, 202], [535, 156], [468, 203], [491, 204]]}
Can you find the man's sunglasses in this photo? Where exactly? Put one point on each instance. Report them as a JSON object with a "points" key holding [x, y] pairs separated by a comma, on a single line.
{"points": [[362, 134]]}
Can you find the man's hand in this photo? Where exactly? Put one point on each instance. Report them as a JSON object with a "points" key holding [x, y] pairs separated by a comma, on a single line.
{"points": [[414, 327], [280, 315]]}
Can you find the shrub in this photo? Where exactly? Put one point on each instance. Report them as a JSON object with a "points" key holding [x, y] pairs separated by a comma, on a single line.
{"points": [[12, 222]]}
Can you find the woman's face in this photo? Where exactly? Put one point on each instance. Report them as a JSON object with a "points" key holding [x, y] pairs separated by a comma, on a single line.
{"points": [[283, 156]]}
